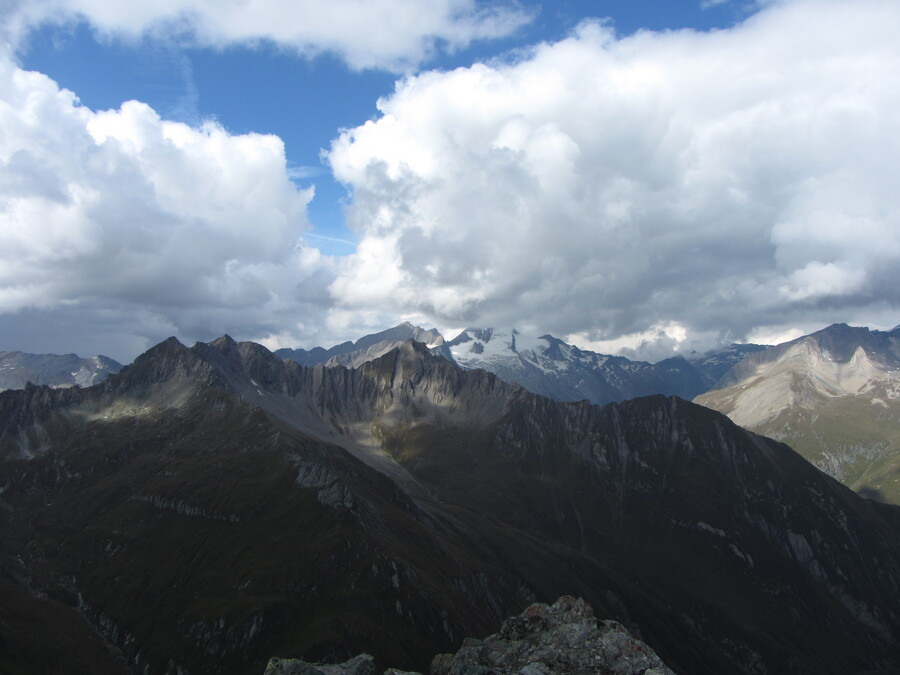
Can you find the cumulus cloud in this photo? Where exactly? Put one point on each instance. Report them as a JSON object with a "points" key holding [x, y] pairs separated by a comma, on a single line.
{"points": [[603, 186], [390, 34], [658, 192], [121, 223]]}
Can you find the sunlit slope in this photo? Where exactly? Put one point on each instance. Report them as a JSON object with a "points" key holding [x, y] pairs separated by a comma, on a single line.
{"points": [[834, 396]]}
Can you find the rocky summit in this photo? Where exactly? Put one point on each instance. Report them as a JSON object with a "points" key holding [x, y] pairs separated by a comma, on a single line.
{"points": [[562, 638]]}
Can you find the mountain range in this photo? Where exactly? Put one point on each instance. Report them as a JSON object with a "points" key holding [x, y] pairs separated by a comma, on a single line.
{"points": [[544, 365], [834, 396], [211, 506], [18, 369], [789, 392], [800, 392], [548, 366]]}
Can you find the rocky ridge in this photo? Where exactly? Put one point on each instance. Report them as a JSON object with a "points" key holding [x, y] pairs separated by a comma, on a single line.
{"points": [[562, 638], [353, 353]]}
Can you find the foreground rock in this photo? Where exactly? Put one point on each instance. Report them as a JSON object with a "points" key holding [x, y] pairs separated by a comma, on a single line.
{"points": [[363, 664], [562, 638]]}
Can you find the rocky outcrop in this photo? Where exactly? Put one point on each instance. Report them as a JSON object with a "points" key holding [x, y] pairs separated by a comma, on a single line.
{"points": [[363, 664], [563, 638]]}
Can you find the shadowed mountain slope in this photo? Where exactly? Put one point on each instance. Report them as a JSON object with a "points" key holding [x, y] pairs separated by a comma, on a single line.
{"points": [[211, 506]]}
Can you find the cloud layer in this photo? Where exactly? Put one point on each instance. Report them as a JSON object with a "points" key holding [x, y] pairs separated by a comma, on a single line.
{"points": [[720, 182], [125, 220], [389, 34]]}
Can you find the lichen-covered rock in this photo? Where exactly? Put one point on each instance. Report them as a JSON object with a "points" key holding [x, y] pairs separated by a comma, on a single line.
{"points": [[560, 638], [358, 665]]}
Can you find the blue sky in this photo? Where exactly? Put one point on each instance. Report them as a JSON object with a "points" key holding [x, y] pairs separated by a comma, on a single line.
{"points": [[651, 177], [264, 89]]}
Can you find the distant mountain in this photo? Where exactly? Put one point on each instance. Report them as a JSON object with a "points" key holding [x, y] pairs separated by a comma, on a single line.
{"points": [[544, 365], [19, 368], [714, 365], [834, 396], [211, 506], [548, 366], [365, 348]]}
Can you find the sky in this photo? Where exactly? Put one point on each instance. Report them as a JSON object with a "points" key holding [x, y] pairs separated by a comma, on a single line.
{"points": [[637, 177]]}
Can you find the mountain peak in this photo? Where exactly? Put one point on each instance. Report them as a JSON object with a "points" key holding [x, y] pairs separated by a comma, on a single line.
{"points": [[19, 368], [351, 354], [170, 346], [223, 342]]}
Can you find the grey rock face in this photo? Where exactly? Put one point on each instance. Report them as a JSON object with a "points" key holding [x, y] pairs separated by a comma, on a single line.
{"points": [[358, 665], [560, 638]]}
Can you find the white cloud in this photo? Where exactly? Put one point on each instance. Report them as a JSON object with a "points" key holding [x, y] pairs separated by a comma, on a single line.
{"points": [[119, 218], [658, 342], [762, 336], [391, 34], [602, 186]]}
